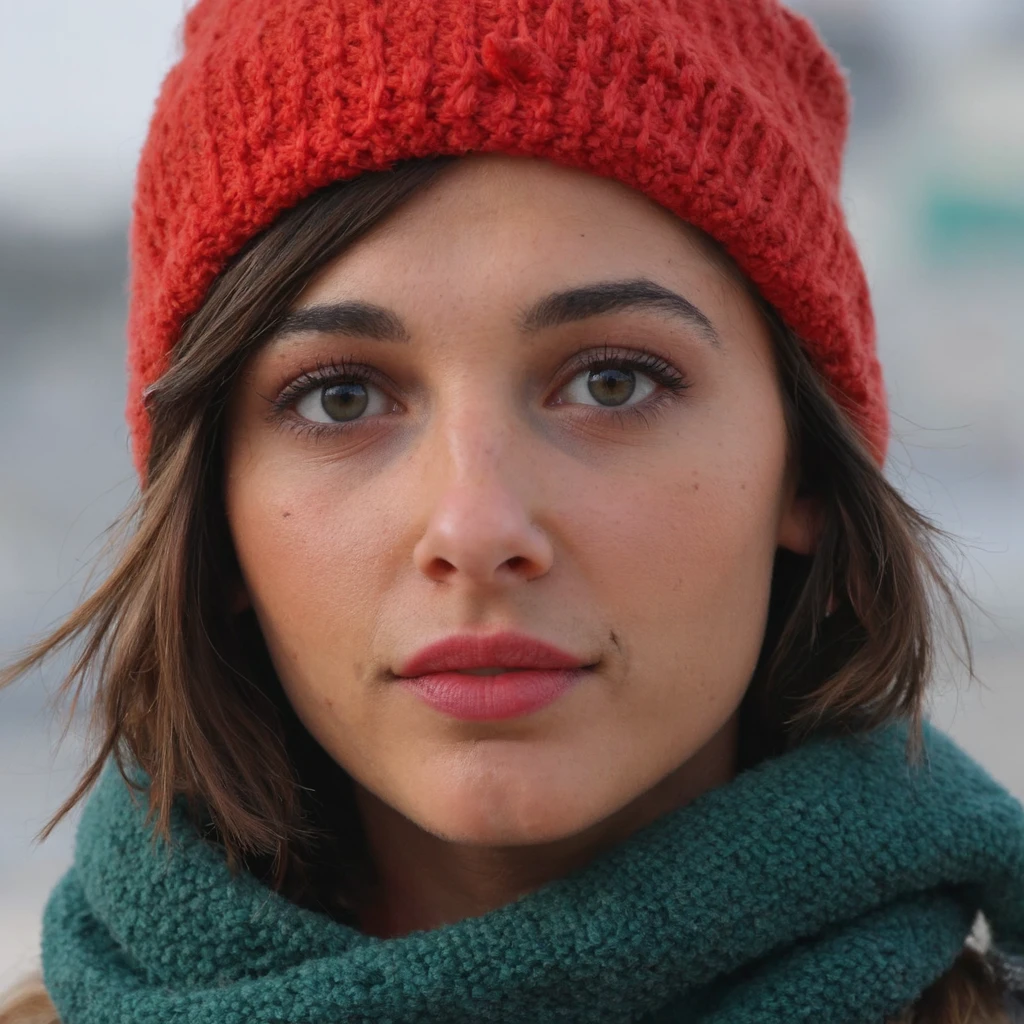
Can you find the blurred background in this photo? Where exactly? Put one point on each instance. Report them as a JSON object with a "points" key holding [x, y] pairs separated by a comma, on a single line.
{"points": [[934, 189]]}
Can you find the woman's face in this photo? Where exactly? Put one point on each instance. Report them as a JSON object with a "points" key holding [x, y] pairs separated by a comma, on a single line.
{"points": [[606, 473]]}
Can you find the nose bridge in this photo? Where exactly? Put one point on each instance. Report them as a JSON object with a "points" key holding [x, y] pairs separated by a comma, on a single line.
{"points": [[480, 489], [476, 434], [475, 453]]}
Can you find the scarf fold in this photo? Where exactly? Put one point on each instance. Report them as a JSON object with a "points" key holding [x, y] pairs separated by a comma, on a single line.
{"points": [[830, 884]]}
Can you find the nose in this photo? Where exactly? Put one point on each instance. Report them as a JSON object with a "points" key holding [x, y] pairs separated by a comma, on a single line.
{"points": [[480, 528]]}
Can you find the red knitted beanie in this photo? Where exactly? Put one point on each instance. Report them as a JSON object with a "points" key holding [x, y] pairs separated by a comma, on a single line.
{"points": [[730, 113]]}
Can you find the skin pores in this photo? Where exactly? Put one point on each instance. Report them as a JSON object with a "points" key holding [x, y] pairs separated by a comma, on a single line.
{"points": [[488, 485]]}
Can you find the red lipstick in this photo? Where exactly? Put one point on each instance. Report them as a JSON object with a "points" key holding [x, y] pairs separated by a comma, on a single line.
{"points": [[540, 673]]}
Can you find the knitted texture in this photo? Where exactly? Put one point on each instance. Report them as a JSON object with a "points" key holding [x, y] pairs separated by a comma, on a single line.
{"points": [[830, 885], [730, 113]]}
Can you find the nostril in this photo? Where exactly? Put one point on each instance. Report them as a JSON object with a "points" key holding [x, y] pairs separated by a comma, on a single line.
{"points": [[442, 567]]}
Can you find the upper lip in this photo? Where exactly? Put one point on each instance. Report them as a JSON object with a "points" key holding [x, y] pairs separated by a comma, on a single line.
{"points": [[497, 650]]}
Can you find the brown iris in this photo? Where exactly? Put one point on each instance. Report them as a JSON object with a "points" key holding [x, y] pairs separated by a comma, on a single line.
{"points": [[611, 386], [344, 401]]}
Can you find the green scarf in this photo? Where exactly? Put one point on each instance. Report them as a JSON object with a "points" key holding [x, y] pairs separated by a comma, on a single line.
{"points": [[830, 884]]}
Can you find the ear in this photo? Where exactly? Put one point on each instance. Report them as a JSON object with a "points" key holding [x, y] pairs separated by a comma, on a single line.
{"points": [[800, 524]]}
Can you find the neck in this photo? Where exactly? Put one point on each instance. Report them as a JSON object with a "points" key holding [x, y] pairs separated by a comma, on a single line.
{"points": [[424, 881]]}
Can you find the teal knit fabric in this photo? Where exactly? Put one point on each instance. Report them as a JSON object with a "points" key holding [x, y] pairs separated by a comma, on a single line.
{"points": [[830, 884]]}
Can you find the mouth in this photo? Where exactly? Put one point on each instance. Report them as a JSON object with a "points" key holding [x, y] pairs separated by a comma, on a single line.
{"points": [[488, 671], [492, 694], [494, 654], [478, 677]]}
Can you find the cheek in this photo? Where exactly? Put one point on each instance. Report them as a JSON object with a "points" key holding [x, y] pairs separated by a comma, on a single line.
{"points": [[693, 519], [683, 557], [313, 567]]}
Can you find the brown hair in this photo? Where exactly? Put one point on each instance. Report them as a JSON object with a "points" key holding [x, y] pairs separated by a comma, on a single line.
{"points": [[185, 688]]}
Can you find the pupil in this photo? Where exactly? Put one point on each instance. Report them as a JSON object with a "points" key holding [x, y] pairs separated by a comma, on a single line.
{"points": [[344, 401], [616, 385]]}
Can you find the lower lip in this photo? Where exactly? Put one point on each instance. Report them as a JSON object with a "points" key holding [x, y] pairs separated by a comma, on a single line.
{"points": [[486, 698]]}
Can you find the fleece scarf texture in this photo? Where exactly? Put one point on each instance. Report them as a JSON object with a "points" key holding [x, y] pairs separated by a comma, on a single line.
{"points": [[830, 884]]}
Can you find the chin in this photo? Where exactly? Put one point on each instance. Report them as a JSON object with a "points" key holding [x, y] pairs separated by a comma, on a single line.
{"points": [[510, 812], [474, 828]]}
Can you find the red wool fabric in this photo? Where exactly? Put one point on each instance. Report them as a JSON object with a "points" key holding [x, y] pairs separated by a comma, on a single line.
{"points": [[730, 113]]}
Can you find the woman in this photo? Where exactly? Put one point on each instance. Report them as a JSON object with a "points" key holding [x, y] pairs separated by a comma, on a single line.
{"points": [[515, 622]]}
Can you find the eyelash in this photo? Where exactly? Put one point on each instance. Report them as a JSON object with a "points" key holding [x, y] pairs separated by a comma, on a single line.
{"points": [[325, 375]]}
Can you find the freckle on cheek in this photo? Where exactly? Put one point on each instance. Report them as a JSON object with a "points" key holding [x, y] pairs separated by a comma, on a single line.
{"points": [[285, 515]]}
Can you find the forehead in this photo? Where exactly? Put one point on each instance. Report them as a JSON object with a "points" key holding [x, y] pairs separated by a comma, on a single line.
{"points": [[493, 223]]}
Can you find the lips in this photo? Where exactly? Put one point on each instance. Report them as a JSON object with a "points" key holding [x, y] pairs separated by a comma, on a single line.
{"points": [[504, 650]]}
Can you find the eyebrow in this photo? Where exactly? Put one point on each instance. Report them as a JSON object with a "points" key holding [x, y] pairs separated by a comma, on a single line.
{"points": [[367, 320]]}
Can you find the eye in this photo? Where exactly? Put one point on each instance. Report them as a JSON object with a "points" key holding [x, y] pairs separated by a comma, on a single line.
{"points": [[609, 378], [341, 401], [630, 384], [609, 385]]}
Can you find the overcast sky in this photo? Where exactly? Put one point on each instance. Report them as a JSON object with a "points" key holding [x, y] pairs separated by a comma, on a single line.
{"points": [[78, 80], [79, 77]]}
